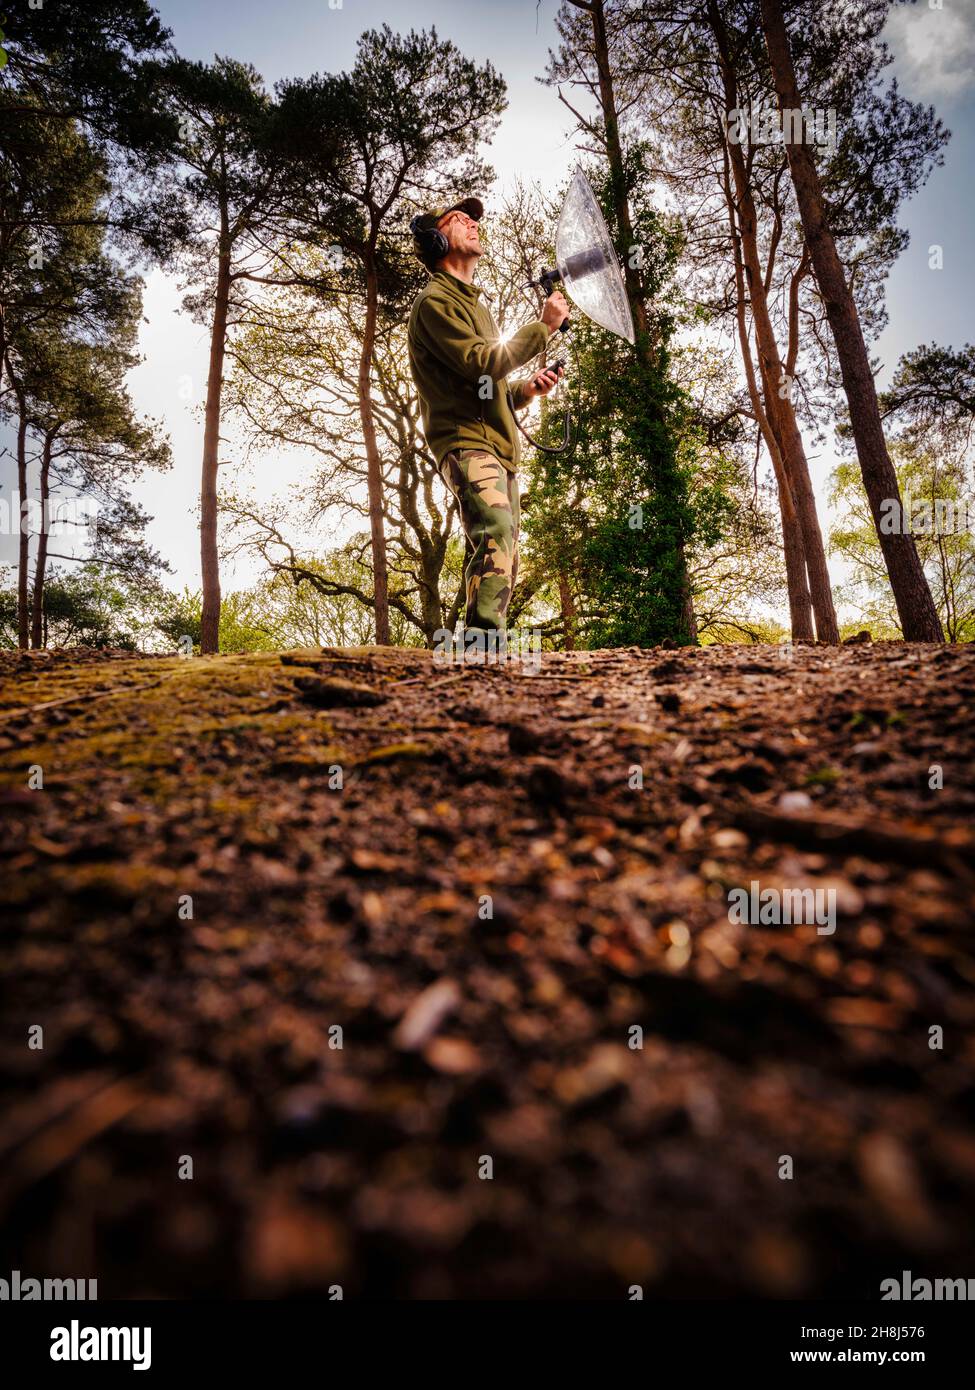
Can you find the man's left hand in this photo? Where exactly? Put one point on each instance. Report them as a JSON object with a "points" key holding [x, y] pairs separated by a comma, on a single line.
{"points": [[542, 382]]}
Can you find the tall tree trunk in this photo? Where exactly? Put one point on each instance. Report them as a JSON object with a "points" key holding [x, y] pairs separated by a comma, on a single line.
{"points": [[915, 606], [785, 427], [624, 222], [209, 556], [380, 579], [40, 562], [567, 605], [23, 551], [429, 593], [779, 408], [794, 550], [782, 418], [800, 603]]}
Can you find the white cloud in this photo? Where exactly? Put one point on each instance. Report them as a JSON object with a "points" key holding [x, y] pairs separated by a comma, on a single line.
{"points": [[934, 49]]}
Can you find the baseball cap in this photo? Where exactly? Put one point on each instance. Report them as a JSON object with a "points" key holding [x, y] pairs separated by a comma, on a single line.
{"points": [[427, 221]]}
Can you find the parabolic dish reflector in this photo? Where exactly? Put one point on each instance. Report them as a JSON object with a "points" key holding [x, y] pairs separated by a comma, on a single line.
{"points": [[587, 262]]}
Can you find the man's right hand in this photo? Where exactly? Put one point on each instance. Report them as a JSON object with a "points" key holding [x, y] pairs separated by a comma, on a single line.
{"points": [[555, 311]]}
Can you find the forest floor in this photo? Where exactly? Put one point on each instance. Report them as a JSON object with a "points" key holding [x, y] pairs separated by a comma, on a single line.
{"points": [[396, 1024]]}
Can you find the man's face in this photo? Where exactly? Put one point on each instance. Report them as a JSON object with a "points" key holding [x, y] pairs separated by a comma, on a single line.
{"points": [[461, 233]]}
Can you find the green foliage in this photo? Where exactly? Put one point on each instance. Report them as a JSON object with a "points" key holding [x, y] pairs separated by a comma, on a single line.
{"points": [[90, 63], [81, 84], [323, 601], [69, 318], [244, 621], [230, 200], [176, 616], [361, 147], [736, 563], [86, 609], [947, 553], [932, 395]]}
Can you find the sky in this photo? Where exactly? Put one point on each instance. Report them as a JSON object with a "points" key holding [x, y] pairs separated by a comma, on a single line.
{"points": [[934, 46]]}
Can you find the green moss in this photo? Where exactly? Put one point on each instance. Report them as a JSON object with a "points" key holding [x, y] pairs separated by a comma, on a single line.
{"points": [[198, 713], [824, 777]]}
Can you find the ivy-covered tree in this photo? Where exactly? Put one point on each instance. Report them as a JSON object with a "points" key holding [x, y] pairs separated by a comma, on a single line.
{"points": [[587, 62], [614, 520]]}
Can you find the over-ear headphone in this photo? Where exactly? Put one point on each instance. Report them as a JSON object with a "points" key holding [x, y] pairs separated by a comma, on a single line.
{"points": [[433, 244]]}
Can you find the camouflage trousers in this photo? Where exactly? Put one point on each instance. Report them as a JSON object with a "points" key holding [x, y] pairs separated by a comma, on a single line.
{"points": [[490, 513]]}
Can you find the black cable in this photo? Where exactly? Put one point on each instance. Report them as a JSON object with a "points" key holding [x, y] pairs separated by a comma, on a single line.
{"points": [[567, 440]]}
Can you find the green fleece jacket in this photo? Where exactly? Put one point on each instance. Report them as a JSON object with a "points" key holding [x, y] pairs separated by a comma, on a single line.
{"points": [[459, 365]]}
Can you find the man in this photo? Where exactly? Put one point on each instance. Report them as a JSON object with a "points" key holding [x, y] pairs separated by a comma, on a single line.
{"points": [[459, 365]]}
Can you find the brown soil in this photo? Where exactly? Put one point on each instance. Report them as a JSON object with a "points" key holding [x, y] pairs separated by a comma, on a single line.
{"points": [[485, 1036]]}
